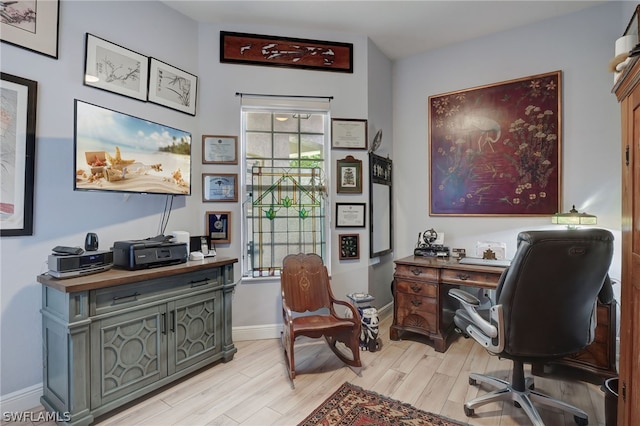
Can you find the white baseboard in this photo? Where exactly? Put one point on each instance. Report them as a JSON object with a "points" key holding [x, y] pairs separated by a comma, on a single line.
{"points": [[22, 400], [29, 398]]}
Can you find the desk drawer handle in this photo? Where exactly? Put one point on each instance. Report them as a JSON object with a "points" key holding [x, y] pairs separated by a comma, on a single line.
{"points": [[416, 288], [463, 277], [416, 271], [416, 302]]}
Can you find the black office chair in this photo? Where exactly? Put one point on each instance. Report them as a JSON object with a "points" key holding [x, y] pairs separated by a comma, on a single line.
{"points": [[545, 309]]}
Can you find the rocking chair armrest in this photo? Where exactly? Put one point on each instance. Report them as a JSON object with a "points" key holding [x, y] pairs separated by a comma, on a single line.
{"points": [[354, 311]]}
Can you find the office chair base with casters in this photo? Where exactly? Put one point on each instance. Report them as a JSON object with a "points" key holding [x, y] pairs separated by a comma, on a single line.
{"points": [[521, 392]]}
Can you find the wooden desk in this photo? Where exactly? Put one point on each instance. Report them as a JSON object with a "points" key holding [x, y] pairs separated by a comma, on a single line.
{"points": [[422, 305]]}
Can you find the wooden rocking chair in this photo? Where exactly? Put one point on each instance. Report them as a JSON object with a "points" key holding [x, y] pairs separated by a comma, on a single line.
{"points": [[306, 291]]}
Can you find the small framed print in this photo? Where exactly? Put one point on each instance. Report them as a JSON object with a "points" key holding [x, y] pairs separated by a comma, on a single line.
{"points": [[32, 25], [219, 227], [172, 87], [349, 246], [219, 149], [350, 215], [219, 187], [348, 133], [114, 68], [349, 176]]}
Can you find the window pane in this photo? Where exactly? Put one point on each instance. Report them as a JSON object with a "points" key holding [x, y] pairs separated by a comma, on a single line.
{"points": [[258, 145], [285, 212], [260, 121]]}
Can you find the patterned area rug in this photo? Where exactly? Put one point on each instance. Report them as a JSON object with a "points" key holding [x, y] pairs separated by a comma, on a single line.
{"points": [[351, 405]]}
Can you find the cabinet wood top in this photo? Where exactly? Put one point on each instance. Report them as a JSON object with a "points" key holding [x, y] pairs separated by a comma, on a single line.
{"points": [[116, 276]]}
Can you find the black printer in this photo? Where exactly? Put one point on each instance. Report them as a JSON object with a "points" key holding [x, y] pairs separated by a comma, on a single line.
{"points": [[140, 254]]}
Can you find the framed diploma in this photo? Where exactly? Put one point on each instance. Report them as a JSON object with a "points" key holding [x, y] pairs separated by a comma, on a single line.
{"points": [[348, 133], [350, 215], [218, 227], [219, 187], [219, 149]]}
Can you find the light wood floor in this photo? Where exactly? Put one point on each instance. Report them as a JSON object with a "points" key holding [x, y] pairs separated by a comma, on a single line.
{"points": [[253, 388]]}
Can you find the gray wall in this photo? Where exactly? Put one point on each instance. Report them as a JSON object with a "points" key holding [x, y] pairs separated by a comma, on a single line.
{"points": [[63, 217], [591, 121]]}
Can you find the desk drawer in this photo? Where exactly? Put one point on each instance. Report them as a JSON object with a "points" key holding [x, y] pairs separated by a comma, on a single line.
{"points": [[416, 288], [470, 278], [416, 311], [416, 272]]}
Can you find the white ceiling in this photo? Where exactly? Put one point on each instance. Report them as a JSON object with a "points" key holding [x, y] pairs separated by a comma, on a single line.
{"points": [[399, 28]]}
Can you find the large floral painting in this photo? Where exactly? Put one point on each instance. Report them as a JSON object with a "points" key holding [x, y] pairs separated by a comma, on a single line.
{"points": [[496, 149]]}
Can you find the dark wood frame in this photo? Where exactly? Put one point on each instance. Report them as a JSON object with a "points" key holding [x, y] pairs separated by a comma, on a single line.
{"points": [[342, 206], [380, 174], [225, 218], [351, 163], [248, 49], [344, 252], [353, 141], [233, 176], [28, 147], [496, 150], [204, 151], [44, 39]]}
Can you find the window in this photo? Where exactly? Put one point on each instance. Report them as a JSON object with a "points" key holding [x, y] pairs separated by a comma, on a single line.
{"points": [[284, 212]]}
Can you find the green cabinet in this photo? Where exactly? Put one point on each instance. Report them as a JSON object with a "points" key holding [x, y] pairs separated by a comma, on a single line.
{"points": [[106, 346]]}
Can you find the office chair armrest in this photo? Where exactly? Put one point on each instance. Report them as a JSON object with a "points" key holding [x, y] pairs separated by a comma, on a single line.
{"points": [[464, 297], [469, 303]]}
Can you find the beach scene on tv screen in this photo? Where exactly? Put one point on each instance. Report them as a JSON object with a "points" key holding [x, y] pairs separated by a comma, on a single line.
{"points": [[119, 152]]}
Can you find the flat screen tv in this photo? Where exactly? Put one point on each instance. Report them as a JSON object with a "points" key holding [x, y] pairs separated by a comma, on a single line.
{"points": [[121, 153]]}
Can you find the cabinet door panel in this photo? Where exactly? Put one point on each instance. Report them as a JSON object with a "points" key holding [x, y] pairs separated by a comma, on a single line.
{"points": [[129, 353], [195, 329]]}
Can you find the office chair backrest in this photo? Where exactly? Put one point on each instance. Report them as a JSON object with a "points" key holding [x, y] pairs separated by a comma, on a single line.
{"points": [[305, 282], [549, 291]]}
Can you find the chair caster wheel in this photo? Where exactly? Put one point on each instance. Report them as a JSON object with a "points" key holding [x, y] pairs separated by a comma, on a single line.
{"points": [[472, 382], [468, 411], [580, 421]]}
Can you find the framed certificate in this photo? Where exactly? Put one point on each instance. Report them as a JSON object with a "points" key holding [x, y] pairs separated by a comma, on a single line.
{"points": [[219, 187], [350, 215], [348, 133], [219, 149]]}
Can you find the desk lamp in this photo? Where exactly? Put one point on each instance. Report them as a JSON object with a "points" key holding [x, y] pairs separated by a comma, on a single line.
{"points": [[572, 219]]}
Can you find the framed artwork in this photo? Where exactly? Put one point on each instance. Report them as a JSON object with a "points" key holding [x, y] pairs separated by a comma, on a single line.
{"points": [[495, 150], [348, 133], [349, 246], [350, 215], [349, 175], [380, 205], [114, 68], [219, 149], [219, 227], [219, 187], [254, 49], [17, 154], [171, 87], [32, 25]]}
